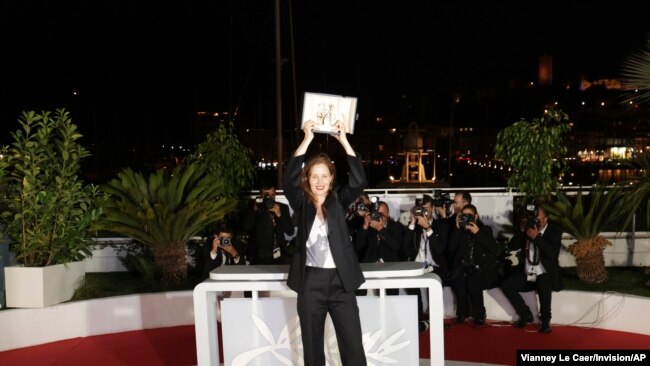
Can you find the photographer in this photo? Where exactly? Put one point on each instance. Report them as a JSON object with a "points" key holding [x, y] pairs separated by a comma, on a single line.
{"points": [[355, 217], [425, 242], [538, 267], [267, 221], [380, 239], [474, 265], [222, 251]]}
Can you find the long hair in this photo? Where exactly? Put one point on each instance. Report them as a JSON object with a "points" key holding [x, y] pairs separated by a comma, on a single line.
{"points": [[320, 158]]}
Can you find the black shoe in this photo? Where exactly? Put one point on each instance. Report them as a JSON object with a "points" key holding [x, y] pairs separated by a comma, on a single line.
{"points": [[423, 325], [479, 322], [460, 319], [545, 328], [523, 320]]}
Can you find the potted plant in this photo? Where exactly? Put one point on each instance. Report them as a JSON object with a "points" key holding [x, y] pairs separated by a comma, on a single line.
{"points": [[47, 209], [585, 224], [535, 151], [164, 209]]}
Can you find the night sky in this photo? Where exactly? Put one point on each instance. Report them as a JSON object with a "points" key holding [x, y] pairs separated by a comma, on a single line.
{"points": [[141, 71]]}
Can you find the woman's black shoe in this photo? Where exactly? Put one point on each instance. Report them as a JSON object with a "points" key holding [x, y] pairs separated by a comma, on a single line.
{"points": [[479, 322], [523, 320], [460, 319], [545, 328]]}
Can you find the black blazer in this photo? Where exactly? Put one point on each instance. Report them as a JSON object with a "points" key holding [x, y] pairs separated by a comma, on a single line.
{"points": [[336, 203], [549, 246], [437, 245], [385, 244]]}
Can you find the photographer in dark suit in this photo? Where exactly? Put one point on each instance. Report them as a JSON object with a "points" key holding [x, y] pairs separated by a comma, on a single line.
{"points": [[380, 239], [474, 266], [425, 241], [222, 251], [539, 244], [267, 222]]}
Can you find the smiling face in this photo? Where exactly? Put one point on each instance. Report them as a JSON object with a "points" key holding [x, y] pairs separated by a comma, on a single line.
{"points": [[320, 180]]}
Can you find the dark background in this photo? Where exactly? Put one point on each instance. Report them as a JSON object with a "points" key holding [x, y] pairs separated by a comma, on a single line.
{"points": [[142, 70]]}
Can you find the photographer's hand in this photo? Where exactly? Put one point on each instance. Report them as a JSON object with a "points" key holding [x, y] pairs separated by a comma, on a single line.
{"points": [[366, 222], [442, 212], [377, 225], [472, 227], [532, 232], [458, 220], [276, 210], [423, 222], [215, 245], [230, 249]]}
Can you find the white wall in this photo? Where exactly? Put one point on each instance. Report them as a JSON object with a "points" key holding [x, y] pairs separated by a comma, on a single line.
{"points": [[28, 327]]}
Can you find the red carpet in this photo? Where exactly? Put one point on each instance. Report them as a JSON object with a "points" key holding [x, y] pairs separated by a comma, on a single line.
{"points": [[495, 343]]}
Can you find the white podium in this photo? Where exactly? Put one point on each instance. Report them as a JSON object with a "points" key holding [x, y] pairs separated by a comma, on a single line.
{"points": [[256, 278]]}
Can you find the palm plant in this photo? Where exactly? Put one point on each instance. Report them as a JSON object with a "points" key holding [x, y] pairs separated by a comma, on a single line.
{"points": [[637, 189], [605, 208], [636, 76], [164, 210]]}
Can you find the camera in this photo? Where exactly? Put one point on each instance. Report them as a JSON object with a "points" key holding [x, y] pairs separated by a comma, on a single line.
{"points": [[418, 209], [529, 218], [465, 220], [266, 202], [361, 206], [442, 199], [224, 241], [374, 211]]}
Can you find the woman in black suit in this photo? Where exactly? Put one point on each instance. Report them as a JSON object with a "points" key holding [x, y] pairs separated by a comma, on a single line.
{"points": [[325, 272], [474, 266]]}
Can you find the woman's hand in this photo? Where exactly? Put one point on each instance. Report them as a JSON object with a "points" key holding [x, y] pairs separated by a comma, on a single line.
{"points": [[340, 133], [308, 129]]}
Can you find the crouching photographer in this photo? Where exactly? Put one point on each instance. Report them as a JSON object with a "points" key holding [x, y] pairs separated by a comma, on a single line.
{"points": [[474, 266], [220, 251], [538, 243]]}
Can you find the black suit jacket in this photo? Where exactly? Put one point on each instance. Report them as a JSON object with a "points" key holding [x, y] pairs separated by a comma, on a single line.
{"points": [[336, 203], [437, 244], [385, 244], [549, 246], [262, 233]]}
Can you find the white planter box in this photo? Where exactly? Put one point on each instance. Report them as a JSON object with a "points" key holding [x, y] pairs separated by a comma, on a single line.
{"points": [[37, 287]]}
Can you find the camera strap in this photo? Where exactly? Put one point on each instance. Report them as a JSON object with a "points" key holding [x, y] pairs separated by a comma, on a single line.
{"points": [[532, 253]]}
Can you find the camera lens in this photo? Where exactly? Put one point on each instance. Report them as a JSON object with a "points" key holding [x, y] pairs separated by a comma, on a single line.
{"points": [[225, 241]]}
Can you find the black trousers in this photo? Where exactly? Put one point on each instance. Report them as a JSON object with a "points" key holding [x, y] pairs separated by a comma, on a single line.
{"points": [[324, 293], [468, 290], [516, 283]]}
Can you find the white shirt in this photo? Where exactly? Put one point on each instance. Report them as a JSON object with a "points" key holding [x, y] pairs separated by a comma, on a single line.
{"points": [[318, 246]]}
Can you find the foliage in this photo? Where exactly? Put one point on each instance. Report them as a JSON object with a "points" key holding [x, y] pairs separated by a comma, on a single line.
{"points": [[165, 209], [47, 210], [534, 150], [226, 158], [636, 76], [637, 190], [605, 209]]}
